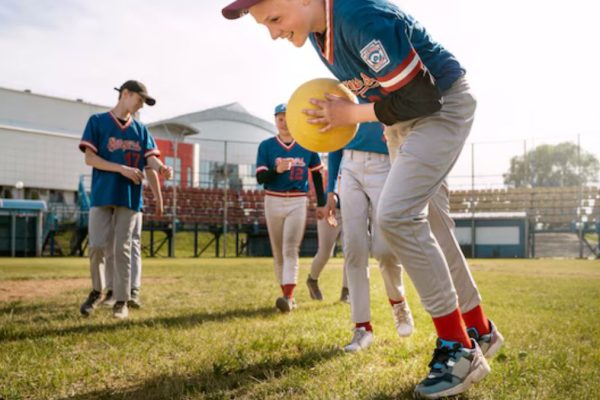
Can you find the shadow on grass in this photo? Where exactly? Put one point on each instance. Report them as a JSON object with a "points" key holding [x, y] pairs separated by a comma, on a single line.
{"points": [[219, 381], [21, 308], [179, 321]]}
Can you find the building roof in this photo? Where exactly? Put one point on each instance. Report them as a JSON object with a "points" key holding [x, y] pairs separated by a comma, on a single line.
{"points": [[28, 92], [233, 112], [176, 128]]}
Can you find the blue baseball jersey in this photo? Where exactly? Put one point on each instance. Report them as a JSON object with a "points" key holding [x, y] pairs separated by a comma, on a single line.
{"points": [[127, 144], [374, 49], [294, 180], [369, 137]]}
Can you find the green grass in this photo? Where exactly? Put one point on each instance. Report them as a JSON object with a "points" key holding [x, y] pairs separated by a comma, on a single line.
{"points": [[209, 330]]}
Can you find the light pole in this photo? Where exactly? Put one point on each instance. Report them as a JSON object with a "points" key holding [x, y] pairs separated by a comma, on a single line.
{"points": [[226, 196], [19, 185], [181, 130], [174, 186]]}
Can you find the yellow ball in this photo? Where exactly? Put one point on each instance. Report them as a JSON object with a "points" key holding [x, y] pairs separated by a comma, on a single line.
{"points": [[308, 135]]}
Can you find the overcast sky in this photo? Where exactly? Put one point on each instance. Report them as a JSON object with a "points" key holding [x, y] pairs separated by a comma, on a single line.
{"points": [[533, 64]]}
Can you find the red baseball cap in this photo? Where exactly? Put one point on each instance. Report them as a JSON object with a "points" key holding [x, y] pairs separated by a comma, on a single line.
{"points": [[238, 8]]}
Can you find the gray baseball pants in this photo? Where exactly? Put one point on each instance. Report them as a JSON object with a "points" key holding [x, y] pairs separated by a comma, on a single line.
{"points": [[136, 256], [363, 177], [286, 220], [103, 220], [413, 211], [327, 236]]}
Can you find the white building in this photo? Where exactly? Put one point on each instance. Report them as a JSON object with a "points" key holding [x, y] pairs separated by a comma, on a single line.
{"points": [[225, 134], [39, 138]]}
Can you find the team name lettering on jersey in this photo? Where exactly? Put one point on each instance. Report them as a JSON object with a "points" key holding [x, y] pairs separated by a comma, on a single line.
{"points": [[360, 86], [119, 144], [296, 162]]}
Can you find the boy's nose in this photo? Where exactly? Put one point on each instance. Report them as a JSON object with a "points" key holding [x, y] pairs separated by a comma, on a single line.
{"points": [[275, 33]]}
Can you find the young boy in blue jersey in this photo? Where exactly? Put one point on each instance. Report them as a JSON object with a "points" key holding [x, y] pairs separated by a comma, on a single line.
{"points": [[118, 148], [413, 85], [282, 166]]}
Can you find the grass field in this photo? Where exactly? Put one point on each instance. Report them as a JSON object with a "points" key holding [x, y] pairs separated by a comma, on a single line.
{"points": [[209, 330]]}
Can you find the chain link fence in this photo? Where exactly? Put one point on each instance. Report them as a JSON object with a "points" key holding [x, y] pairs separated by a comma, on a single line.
{"points": [[219, 192]]}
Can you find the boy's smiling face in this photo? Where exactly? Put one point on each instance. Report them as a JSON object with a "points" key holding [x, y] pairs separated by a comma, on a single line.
{"points": [[293, 20]]}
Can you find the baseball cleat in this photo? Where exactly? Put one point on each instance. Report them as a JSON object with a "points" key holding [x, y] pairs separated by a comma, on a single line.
{"points": [[120, 310], [489, 343], [90, 303], [134, 299], [285, 304], [345, 295], [361, 340], [313, 288], [403, 319], [109, 299], [453, 370]]}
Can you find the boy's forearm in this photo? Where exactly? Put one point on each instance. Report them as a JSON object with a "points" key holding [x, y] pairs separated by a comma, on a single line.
{"points": [[95, 161], [154, 183], [363, 113]]}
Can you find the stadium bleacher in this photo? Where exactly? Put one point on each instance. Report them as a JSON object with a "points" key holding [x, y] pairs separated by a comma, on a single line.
{"points": [[555, 206]]}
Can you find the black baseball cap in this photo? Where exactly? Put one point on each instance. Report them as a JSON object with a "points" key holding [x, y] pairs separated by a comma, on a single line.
{"points": [[238, 8], [139, 88]]}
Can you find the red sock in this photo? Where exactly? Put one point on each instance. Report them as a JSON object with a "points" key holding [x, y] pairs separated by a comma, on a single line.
{"points": [[288, 290], [451, 327], [366, 325], [477, 319], [392, 302]]}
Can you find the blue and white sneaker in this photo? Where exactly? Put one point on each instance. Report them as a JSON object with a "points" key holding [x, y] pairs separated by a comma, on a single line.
{"points": [[453, 370], [490, 343]]}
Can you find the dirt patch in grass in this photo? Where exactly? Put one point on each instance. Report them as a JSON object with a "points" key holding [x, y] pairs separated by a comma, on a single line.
{"points": [[12, 290]]}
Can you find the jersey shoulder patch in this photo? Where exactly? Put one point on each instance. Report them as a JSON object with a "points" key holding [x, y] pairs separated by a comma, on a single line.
{"points": [[374, 55]]}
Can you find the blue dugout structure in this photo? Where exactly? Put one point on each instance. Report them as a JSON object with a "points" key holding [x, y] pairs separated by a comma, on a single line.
{"points": [[493, 235], [21, 227]]}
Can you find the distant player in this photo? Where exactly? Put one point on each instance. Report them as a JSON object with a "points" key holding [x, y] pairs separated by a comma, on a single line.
{"points": [[364, 168], [118, 148], [329, 228], [282, 166], [413, 85]]}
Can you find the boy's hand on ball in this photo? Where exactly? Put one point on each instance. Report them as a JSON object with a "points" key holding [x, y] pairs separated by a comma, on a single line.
{"points": [[334, 111]]}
